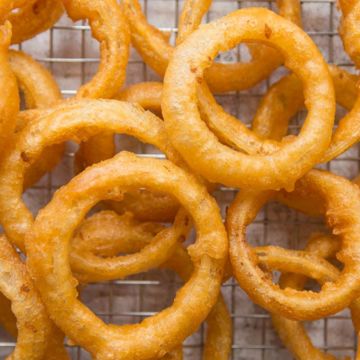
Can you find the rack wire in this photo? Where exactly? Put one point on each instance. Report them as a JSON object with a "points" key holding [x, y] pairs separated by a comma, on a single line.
{"points": [[72, 56]]}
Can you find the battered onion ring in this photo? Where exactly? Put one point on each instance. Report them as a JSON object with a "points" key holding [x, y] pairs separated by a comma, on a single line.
{"points": [[72, 120], [37, 337], [110, 28], [34, 18], [146, 94], [7, 318], [107, 234], [349, 31], [39, 86], [293, 333], [9, 100], [190, 17], [199, 147], [227, 128], [163, 331], [41, 91], [285, 98], [145, 205], [156, 51], [7, 6], [342, 217], [89, 267]]}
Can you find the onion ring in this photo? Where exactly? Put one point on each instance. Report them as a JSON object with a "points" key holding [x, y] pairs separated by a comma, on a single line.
{"points": [[302, 348], [349, 30], [156, 51], [190, 17], [9, 102], [7, 318], [7, 6], [41, 91], [200, 147], [145, 205], [37, 337], [299, 265], [110, 28], [91, 268], [146, 94], [192, 303], [72, 120], [227, 128], [341, 217], [34, 18], [107, 234], [39, 87], [285, 98]]}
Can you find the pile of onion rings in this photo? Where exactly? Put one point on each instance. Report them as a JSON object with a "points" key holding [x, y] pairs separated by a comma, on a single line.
{"points": [[122, 214]]}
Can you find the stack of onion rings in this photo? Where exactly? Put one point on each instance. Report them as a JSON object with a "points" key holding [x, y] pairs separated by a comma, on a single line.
{"points": [[204, 145], [283, 163]]}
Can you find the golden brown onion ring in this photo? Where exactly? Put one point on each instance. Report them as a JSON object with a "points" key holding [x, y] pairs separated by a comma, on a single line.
{"points": [[107, 234], [288, 330], [297, 266], [48, 238], [34, 18], [9, 100], [39, 86], [146, 94], [157, 52], [37, 337], [41, 91], [145, 205], [7, 318], [340, 215], [152, 46], [109, 27], [287, 161], [72, 120], [90, 267], [190, 18], [285, 98], [349, 30]]}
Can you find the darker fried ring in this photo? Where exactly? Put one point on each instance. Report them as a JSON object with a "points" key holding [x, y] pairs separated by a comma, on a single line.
{"points": [[341, 216], [163, 331]]}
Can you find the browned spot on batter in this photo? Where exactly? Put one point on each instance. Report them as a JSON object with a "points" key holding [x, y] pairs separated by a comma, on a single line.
{"points": [[24, 156], [31, 327], [36, 8], [267, 31], [25, 288]]}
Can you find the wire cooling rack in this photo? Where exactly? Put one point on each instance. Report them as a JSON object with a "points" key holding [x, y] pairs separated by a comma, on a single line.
{"points": [[72, 56]]}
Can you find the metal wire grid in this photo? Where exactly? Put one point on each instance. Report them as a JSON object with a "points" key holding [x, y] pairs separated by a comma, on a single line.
{"points": [[131, 300]]}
